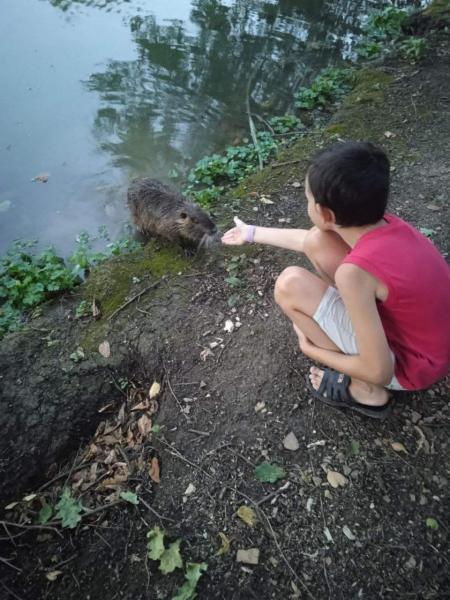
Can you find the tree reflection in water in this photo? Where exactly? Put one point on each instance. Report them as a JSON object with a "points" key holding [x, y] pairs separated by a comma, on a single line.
{"points": [[184, 94]]}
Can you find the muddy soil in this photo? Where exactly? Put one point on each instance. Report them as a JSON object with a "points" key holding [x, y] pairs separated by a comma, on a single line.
{"points": [[229, 399]]}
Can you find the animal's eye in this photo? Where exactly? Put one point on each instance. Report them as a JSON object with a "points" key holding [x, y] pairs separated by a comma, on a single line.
{"points": [[183, 215]]}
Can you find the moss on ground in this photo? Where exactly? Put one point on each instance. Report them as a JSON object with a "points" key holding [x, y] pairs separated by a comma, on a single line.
{"points": [[111, 282], [438, 9]]}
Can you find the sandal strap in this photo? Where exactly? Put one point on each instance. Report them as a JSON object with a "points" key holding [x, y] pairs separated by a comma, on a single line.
{"points": [[334, 386]]}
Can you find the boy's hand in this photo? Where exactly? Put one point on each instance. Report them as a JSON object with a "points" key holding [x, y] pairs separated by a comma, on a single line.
{"points": [[239, 234]]}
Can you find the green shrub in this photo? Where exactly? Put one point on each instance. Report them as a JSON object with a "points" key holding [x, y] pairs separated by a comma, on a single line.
{"points": [[385, 24], [286, 124], [413, 48], [27, 280], [326, 88]]}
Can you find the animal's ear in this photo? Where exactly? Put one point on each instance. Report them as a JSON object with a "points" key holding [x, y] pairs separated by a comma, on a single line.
{"points": [[183, 215]]}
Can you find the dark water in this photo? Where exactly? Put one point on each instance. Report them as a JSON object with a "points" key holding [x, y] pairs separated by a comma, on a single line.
{"points": [[94, 92]]}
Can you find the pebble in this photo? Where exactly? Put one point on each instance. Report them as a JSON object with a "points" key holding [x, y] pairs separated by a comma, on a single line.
{"points": [[290, 442], [249, 557]]}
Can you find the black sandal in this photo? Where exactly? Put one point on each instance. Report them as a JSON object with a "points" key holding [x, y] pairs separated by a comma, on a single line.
{"points": [[333, 390]]}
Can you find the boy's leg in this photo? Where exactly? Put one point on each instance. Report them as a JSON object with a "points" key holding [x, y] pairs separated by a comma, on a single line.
{"points": [[299, 293]]}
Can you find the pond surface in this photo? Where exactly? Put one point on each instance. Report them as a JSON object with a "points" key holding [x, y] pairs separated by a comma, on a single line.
{"points": [[94, 92]]}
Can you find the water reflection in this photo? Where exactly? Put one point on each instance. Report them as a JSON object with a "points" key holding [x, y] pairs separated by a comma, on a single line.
{"points": [[184, 95], [162, 84]]}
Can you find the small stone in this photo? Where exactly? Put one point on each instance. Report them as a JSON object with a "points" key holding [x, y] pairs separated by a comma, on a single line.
{"points": [[415, 417], [290, 442], [190, 490], [259, 406], [296, 184], [348, 533], [249, 557]]}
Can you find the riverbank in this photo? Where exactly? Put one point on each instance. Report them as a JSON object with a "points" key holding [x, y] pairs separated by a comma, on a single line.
{"points": [[226, 404]]}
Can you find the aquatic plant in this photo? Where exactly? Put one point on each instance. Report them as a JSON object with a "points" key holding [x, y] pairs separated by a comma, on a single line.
{"points": [[331, 84]]}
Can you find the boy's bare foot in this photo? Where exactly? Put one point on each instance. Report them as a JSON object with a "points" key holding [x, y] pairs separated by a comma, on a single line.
{"points": [[362, 392]]}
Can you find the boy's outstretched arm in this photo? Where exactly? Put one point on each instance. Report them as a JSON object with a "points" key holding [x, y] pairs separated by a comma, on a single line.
{"points": [[291, 239], [374, 362]]}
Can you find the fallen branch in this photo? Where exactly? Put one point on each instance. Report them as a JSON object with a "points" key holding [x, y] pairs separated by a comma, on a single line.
{"points": [[136, 297], [283, 164], [6, 562]]}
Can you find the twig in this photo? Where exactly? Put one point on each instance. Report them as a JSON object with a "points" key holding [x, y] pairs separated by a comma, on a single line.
{"points": [[174, 396], [219, 356], [135, 297], [6, 562], [45, 527], [64, 562], [102, 538], [13, 594], [61, 475], [205, 433], [157, 515], [11, 538], [283, 164]]}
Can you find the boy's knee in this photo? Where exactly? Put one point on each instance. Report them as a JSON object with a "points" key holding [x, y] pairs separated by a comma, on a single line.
{"points": [[287, 284]]}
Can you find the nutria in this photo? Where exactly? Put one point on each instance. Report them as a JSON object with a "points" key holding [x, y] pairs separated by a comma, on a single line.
{"points": [[158, 210]]}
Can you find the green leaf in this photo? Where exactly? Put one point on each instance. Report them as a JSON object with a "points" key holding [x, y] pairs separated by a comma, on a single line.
{"points": [[171, 559], [130, 497], [269, 473], [427, 232], [45, 513], [155, 544], [233, 281], [68, 510], [156, 428], [193, 573], [355, 448], [431, 523]]}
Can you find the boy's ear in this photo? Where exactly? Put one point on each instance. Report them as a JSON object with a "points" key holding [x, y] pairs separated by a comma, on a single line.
{"points": [[327, 214]]}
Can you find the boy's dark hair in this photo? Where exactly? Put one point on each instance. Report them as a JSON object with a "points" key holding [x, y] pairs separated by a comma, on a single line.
{"points": [[352, 180]]}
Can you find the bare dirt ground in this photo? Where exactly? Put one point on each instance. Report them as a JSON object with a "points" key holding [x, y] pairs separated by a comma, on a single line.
{"points": [[227, 401]]}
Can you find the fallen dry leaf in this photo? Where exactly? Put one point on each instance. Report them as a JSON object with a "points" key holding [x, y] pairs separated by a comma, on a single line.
{"points": [[41, 178], [52, 575], [225, 547], [154, 390], [399, 447], [205, 353], [105, 349], [95, 310], [154, 470], [144, 405], [144, 425], [248, 515], [389, 134], [336, 479]]}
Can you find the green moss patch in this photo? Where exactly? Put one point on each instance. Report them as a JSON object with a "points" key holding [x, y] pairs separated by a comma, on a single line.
{"points": [[111, 282], [438, 9]]}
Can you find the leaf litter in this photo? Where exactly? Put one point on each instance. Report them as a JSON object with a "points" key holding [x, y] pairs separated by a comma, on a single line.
{"points": [[115, 453]]}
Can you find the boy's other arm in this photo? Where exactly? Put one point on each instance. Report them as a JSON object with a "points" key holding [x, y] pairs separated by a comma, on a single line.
{"points": [[373, 363], [290, 239]]}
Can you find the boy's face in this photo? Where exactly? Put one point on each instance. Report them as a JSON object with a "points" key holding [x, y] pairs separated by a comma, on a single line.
{"points": [[315, 212]]}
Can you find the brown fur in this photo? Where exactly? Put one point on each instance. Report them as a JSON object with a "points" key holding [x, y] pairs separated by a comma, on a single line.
{"points": [[158, 210]]}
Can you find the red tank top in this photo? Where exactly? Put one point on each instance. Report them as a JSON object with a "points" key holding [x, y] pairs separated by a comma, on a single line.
{"points": [[416, 313]]}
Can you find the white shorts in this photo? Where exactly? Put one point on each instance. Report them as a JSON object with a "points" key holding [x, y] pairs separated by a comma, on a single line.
{"points": [[332, 316]]}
